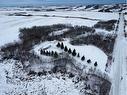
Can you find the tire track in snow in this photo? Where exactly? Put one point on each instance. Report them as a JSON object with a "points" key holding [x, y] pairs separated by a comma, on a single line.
{"points": [[119, 68]]}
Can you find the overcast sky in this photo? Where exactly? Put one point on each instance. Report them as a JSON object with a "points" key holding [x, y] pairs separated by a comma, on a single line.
{"points": [[34, 2]]}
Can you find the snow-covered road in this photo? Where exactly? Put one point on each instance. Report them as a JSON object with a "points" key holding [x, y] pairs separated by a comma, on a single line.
{"points": [[119, 67]]}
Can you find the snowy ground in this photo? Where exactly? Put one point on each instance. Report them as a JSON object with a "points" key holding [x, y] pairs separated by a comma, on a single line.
{"points": [[125, 17], [13, 23], [13, 81], [90, 52], [119, 68], [9, 26]]}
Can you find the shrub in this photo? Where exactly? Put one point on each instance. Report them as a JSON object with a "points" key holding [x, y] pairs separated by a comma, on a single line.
{"points": [[88, 61], [65, 49], [83, 58], [62, 46], [69, 51], [40, 73], [74, 53], [58, 44], [46, 53], [41, 51], [78, 55], [56, 55], [52, 53], [95, 64], [54, 70], [71, 75], [88, 86], [32, 73], [108, 25]]}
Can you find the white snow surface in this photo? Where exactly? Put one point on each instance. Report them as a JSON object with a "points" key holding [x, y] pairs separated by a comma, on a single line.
{"points": [[10, 25], [60, 32], [9, 31], [11, 82], [119, 67], [84, 14], [90, 52], [125, 17]]}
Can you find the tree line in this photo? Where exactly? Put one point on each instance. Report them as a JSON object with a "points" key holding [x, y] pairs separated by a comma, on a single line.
{"points": [[67, 50], [73, 52], [49, 53]]}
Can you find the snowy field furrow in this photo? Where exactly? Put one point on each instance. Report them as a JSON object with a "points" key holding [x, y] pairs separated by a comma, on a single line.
{"points": [[21, 22], [92, 15], [15, 22]]}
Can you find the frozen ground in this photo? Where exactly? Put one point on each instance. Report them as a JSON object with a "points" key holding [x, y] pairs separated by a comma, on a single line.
{"points": [[119, 67], [13, 81], [90, 52], [9, 25], [14, 23], [92, 15]]}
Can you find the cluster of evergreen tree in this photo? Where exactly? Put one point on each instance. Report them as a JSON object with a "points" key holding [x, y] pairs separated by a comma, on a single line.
{"points": [[83, 58], [95, 64], [88, 61], [66, 49], [74, 53], [48, 53]]}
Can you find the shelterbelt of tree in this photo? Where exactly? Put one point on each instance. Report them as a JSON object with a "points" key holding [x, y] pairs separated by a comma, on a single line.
{"points": [[32, 36]]}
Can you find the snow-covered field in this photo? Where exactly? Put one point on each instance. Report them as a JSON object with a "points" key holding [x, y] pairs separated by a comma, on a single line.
{"points": [[12, 83], [9, 25], [119, 68], [9, 31], [90, 52], [14, 23], [92, 15], [84, 14]]}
